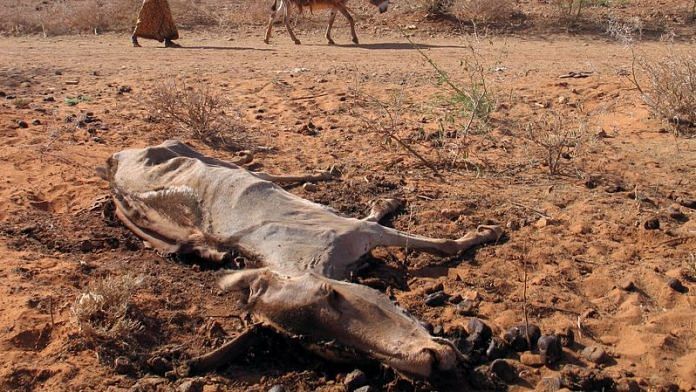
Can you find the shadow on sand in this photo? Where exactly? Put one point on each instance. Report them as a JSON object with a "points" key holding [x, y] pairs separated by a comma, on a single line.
{"points": [[393, 46], [225, 48]]}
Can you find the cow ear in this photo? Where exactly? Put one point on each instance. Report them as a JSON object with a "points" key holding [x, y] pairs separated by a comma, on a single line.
{"points": [[102, 173], [241, 280]]}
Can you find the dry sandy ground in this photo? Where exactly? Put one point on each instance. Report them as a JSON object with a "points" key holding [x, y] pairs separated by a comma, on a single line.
{"points": [[582, 234]]}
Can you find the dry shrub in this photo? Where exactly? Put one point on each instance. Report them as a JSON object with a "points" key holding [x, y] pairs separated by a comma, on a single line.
{"points": [[76, 16], [189, 13], [102, 313], [556, 139], [478, 11], [200, 111], [670, 91]]}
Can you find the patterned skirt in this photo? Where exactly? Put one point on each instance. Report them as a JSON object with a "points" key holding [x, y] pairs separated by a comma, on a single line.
{"points": [[155, 21]]}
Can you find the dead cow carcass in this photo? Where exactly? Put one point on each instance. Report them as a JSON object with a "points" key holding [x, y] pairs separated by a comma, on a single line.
{"points": [[179, 200]]}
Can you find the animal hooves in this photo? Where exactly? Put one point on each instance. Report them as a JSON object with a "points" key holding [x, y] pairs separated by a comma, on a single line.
{"points": [[355, 41], [297, 42], [331, 42], [497, 230]]}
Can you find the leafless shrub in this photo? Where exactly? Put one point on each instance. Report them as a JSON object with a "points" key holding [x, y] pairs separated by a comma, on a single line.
{"points": [[569, 10], [555, 137], [198, 110], [101, 312], [670, 91], [79, 16], [438, 7], [625, 31]]}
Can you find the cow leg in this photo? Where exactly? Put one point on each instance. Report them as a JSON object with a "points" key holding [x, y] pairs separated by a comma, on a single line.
{"points": [[345, 13], [289, 179], [332, 17], [226, 353], [382, 208], [385, 236], [274, 8], [286, 20]]}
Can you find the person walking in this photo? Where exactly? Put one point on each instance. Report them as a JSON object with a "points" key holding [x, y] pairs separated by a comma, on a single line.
{"points": [[155, 21]]}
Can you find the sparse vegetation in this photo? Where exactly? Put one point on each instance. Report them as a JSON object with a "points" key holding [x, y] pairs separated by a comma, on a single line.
{"points": [[483, 12], [198, 110], [670, 91], [102, 311], [555, 137]]}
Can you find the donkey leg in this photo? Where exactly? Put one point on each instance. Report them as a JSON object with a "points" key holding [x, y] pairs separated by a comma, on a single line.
{"points": [[274, 8], [286, 20], [345, 13], [332, 17]]}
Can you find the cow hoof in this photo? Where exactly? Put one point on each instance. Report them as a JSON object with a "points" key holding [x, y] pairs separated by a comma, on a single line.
{"points": [[497, 230], [297, 42], [355, 41], [331, 42]]}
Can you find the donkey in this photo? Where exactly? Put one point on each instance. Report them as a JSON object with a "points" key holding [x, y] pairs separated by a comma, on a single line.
{"points": [[333, 5], [179, 200]]}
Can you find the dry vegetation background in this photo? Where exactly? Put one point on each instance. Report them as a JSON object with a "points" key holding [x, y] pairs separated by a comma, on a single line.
{"points": [[56, 17], [591, 173]]}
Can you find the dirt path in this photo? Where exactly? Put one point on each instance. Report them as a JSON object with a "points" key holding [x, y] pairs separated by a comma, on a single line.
{"points": [[583, 234]]}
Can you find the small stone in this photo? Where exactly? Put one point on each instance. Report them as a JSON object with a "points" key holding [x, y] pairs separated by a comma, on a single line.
{"points": [[36, 122], [355, 380], [516, 337], [122, 365], [627, 386], [466, 307], [435, 288], [676, 214], [503, 369], [456, 299], [627, 285], [550, 349], [159, 365], [479, 333], [49, 99], [366, 388], [676, 285], [531, 359], [595, 354], [541, 223], [496, 349], [72, 82], [22, 124], [25, 84], [562, 100], [277, 388], [191, 385], [684, 202], [652, 224], [436, 299]]}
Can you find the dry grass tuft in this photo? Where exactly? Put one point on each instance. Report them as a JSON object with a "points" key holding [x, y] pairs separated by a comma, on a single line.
{"points": [[102, 311], [199, 111]]}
